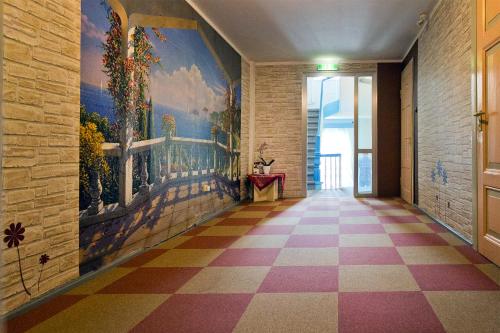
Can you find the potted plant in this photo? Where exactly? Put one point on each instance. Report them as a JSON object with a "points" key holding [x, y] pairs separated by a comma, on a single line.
{"points": [[266, 165]]}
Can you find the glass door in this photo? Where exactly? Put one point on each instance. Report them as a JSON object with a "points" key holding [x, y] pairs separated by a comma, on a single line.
{"points": [[364, 136]]}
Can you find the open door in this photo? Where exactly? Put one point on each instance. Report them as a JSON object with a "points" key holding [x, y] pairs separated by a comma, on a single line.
{"points": [[407, 133], [488, 133]]}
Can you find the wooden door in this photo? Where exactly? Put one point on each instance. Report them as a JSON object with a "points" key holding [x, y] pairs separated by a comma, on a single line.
{"points": [[407, 133], [488, 134]]}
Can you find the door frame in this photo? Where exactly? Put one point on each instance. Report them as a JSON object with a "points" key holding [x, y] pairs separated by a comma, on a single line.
{"points": [[356, 75], [411, 66]]}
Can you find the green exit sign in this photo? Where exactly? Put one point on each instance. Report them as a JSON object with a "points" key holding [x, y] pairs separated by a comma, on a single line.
{"points": [[327, 67]]}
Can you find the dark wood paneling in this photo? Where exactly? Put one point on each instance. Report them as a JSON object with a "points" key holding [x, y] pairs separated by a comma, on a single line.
{"points": [[389, 129]]}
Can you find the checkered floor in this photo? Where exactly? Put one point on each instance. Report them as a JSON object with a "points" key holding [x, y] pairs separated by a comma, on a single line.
{"points": [[321, 264]]}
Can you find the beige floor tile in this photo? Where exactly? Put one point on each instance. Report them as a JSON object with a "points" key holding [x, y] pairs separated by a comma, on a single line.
{"points": [[491, 270], [226, 231], [236, 208], [359, 220], [451, 239], [260, 241], [310, 229], [425, 219], [300, 208], [321, 213], [225, 280], [365, 240], [249, 214], [426, 255], [280, 221], [265, 203], [300, 312], [393, 212], [93, 314], [185, 258], [376, 278], [171, 243], [213, 221], [308, 257], [101, 281], [399, 228], [349, 208], [467, 311]]}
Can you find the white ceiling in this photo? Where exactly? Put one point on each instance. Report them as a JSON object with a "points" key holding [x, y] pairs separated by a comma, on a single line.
{"points": [[307, 30]]}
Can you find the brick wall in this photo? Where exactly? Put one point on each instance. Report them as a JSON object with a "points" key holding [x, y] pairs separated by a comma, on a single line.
{"points": [[444, 115], [278, 118], [245, 114], [40, 118]]}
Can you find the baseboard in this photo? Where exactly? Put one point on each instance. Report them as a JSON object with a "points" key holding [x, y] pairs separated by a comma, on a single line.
{"points": [[89, 276], [444, 225]]}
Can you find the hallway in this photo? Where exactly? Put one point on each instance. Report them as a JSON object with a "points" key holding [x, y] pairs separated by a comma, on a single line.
{"points": [[326, 263]]}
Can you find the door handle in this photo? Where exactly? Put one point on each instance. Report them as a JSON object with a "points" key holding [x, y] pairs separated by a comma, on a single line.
{"points": [[480, 121]]}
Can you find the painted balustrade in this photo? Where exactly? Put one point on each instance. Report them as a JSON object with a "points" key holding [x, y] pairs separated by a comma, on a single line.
{"points": [[160, 161]]}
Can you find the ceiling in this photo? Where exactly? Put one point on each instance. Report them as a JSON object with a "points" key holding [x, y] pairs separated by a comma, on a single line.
{"points": [[310, 30]]}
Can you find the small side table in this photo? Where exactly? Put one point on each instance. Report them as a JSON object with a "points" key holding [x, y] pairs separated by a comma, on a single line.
{"points": [[267, 187]]}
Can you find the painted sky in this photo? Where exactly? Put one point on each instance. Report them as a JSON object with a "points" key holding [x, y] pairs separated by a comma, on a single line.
{"points": [[94, 26], [189, 77]]}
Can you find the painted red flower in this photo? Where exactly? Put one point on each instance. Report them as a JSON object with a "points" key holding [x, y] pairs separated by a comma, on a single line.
{"points": [[44, 258], [14, 234]]}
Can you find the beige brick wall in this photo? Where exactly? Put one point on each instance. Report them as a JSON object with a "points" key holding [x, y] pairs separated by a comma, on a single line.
{"points": [[40, 118], [245, 114], [444, 115], [278, 118]]}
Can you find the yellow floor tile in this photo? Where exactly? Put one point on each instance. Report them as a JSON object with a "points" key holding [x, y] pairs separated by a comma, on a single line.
{"points": [[102, 280], [491, 270], [451, 239], [359, 220], [399, 228], [467, 311], [249, 214], [393, 212], [365, 240], [185, 258], [213, 221], [260, 241], [280, 221], [290, 208], [424, 255], [102, 313], [376, 278], [226, 231], [289, 313], [225, 280], [307, 257]]}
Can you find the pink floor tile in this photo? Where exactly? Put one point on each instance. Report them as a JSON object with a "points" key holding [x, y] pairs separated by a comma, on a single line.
{"points": [[151, 281], [398, 219], [386, 312], [196, 230], [471, 254], [387, 206], [369, 256], [300, 279], [326, 207], [451, 277], [240, 221], [143, 258], [356, 213], [308, 241], [196, 313], [285, 214], [417, 239], [436, 227], [271, 230], [361, 229], [246, 257], [319, 220], [208, 242]]}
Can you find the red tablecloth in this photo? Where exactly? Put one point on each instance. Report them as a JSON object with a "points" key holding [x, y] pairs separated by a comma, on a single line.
{"points": [[262, 181]]}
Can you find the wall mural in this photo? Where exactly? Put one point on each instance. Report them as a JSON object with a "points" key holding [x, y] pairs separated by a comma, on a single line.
{"points": [[159, 132]]}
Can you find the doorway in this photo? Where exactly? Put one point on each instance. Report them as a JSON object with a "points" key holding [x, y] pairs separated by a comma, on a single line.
{"points": [[340, 133]]}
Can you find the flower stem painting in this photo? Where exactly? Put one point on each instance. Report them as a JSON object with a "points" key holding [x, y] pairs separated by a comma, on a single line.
{"points": [[158, 124]]}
